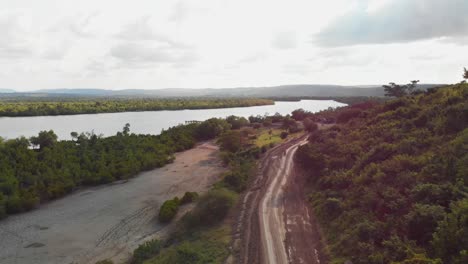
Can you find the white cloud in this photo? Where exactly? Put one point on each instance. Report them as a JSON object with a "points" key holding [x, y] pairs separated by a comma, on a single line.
{"points": [[397, 21], [228, 43], [285, 40]]}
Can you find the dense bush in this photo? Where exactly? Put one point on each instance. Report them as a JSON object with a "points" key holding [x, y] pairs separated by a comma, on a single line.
{"points": [[168, 210], [146, 251], [230, 141], [284, 135], [212, 128], [211, 208], [390, 181], [189, 197], [237, 122]]}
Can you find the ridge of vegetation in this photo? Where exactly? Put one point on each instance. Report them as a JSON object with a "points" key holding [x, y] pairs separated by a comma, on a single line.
{"points": [[389, 181], [41, 107]]}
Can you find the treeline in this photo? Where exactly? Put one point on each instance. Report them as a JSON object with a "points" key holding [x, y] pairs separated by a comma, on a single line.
{"points": [[390, 179], [14, 108], [42, 168]]}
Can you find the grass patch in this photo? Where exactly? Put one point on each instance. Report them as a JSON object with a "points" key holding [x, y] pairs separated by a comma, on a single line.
{"points": [[268, 136], [265, 137], [203, 246]]}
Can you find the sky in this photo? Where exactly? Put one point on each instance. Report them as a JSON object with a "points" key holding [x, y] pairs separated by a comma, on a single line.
{"points": [[152, 44]]}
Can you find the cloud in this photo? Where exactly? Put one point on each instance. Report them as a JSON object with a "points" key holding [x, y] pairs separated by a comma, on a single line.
{"points": [[260, 56], [141, 30], [77, 25], [397, 21], [15, 39], [132, 54], [180, 12], [285, 40]]}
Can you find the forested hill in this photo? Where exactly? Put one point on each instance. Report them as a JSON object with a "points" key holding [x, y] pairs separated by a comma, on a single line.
{"points": [[390, 180]]}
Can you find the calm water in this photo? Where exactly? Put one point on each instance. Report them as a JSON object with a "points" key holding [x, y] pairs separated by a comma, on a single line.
{"points": [[151, 122]]}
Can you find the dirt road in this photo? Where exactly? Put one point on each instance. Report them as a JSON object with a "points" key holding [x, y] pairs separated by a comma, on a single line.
{"points": [[275, 224], [107, 221]]}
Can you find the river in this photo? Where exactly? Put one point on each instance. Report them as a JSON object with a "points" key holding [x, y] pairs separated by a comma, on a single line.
{"points": [[148, 122]]}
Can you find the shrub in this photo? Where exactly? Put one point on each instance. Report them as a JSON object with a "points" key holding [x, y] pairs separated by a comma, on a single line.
{"points": [[347, 115], [257, 125], [211, 208], [230, 141], [294, 129], [189, 197], [169, 210], [310, 125], [146, 251], [211, 128], [284, 134]]}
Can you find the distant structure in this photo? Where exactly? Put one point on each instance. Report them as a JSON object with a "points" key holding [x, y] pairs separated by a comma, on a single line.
{"points": [[192, 122]]}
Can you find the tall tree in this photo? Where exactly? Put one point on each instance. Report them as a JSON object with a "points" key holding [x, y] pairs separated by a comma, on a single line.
{"points": [[397, 90]]}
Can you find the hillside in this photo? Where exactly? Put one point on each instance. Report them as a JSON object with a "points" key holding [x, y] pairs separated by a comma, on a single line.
{"points": [[304, 90], [389, 182]]}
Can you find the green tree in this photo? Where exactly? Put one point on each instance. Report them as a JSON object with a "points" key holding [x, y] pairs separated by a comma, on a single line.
{"points": [[212, 128], [230, 141], [397, 90], [126, 129], [450, 241], [45, 139], [237, 122]]}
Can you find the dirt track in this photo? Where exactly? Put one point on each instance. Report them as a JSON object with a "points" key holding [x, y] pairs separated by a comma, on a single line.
{"points": [[275, 224], [107, 221]]}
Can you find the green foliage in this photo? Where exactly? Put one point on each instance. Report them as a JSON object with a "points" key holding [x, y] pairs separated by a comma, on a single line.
{"points": [[298, 114], [230, 141], [38, 107], [200, 247], [189, 197], [310, 125], [146, 251], [168, 210], [284, 135], [450, 241], [30, 176], [212, 128], [45, 139], [390, 181], [237, 122], [396, 90], [211, 209]]}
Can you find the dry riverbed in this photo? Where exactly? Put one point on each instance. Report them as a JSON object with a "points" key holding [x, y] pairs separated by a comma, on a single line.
{"points": [[106, 221]]}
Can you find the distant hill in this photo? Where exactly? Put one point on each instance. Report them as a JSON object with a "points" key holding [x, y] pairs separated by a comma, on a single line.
{"points": [[282, 91], [7, 91]]}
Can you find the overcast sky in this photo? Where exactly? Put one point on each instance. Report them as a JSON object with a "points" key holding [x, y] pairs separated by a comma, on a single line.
{"points": [[151, 44]]}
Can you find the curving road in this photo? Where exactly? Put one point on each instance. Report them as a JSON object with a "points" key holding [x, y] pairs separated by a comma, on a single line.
{"points": [[275, 224]]}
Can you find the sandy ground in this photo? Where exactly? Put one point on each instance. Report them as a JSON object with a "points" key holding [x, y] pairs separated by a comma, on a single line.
{"points": [[275, 224], [106, 221]]}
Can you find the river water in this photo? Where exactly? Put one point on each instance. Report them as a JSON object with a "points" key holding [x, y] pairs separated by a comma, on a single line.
{"points": [[149, 122]]}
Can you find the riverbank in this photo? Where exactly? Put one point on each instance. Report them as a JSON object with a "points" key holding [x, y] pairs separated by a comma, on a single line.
{"points": [[108, 221]]}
